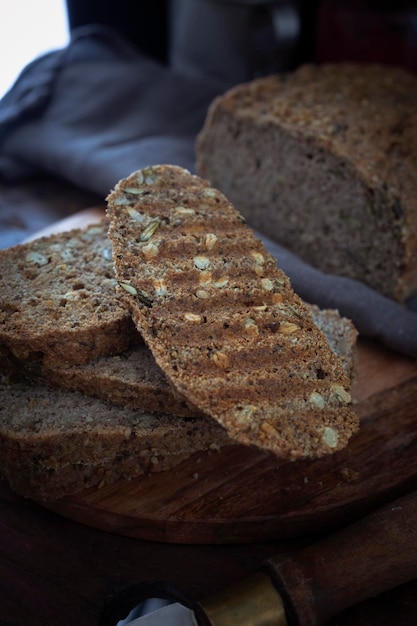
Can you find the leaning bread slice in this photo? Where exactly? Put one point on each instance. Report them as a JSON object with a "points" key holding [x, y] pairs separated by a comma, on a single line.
{"points": [[54, 443], [57, 299], [221, 319], [134, 379]]}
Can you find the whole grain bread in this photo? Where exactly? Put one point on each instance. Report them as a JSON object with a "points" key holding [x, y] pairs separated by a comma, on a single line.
{"points": [[129, 379], [221, 319], [55, 443], [323, 160], [133, 379], [58, 300], [340, 334]]}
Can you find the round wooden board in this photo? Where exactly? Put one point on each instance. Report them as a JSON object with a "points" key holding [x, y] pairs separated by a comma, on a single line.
{"points": [[241, 494]]}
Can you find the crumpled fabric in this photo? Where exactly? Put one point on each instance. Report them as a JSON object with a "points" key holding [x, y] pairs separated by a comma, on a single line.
{"points": [[374, 315], [97, 110]]}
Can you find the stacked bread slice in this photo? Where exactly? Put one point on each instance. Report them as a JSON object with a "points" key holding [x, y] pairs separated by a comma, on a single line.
{"points": [[221, 349]]}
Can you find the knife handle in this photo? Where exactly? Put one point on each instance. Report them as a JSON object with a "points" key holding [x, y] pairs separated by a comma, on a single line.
{"points": [[377, 553]]}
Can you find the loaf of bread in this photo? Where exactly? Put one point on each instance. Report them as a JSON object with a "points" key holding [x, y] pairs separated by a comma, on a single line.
{"points": [[58, 300], [323, 160], [221, 319], [55, 443]]}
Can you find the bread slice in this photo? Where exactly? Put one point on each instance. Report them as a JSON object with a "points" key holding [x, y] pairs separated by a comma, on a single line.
{"points": [[58, 299], [130, 379], [54, 443], [323, 161], [133, 379], [221, 319], [341, 335]]}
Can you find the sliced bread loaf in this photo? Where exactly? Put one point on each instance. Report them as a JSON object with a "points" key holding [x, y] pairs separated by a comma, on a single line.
{"points": [[221, 319], [58, 299], [133, 379], [54, 443], [323, 161]]}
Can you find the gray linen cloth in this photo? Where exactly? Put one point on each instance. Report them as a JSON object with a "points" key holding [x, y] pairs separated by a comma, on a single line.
{"points": [[97, 110]]}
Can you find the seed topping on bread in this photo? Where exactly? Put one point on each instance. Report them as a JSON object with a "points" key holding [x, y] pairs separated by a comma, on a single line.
{"points": [[58, 299], [222, 320]]}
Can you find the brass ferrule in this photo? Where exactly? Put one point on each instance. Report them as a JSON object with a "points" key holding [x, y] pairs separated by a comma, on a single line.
{"points": [[252, 602]]}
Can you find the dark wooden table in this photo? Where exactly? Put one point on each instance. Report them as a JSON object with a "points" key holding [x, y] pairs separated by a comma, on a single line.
{"points": [[55, 571]]}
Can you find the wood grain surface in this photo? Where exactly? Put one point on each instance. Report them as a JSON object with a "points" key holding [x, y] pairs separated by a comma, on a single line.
{"points": [[241, 494]]}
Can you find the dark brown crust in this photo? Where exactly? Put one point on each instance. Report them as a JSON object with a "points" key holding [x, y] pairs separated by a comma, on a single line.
{"points": [[216, 311], [35, 481]]}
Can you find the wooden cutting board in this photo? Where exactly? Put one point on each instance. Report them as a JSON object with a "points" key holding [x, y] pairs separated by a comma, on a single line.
{"points": [[243, 495]]}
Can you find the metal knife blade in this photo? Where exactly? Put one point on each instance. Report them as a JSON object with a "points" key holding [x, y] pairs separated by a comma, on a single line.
{"points": [[175, 614]]}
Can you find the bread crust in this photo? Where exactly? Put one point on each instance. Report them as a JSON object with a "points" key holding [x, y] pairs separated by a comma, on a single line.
{"points": [[323, 160]]}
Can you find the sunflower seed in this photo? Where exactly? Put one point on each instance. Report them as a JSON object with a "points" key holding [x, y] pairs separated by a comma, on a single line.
{"points": [[221, 359], [316, 399], [211, 240], [150, 230], [136, 191], [135, 215], [330, 437], [192, 317], [129, 288], [183, 210], [287, 328], [341, 394], [201, 262], [150, 250]]}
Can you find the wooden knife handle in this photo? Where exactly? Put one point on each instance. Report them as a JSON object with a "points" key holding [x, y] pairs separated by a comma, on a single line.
{"points": [[377, 553]]}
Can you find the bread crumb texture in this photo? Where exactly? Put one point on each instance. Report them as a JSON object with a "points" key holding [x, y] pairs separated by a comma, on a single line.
{"points": [[222, 320], [323, 160], [55, 442], [58, 299]]}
